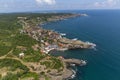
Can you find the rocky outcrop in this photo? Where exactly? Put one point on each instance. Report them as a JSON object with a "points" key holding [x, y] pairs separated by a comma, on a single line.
{"points": [[75, 61], [76, 44], [51, 40]]}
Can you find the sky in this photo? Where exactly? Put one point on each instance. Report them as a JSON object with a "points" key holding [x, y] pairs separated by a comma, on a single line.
{"points": [[41, 5]]}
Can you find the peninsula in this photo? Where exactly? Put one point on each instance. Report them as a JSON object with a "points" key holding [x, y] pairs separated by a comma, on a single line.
{"points": [[51, 40], [25, 47]]}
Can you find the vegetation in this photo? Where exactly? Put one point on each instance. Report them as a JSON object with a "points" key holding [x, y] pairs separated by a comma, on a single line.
{"points": [[10, 76], [53, 63], [12, 43], [30, 74], [57, 63], [13, 64], [35, 58]]}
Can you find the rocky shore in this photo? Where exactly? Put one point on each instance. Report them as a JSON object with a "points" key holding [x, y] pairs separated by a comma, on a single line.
{"points": [[51, 40], [67, 73]]}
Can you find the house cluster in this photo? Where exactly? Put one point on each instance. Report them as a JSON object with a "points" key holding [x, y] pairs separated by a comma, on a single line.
{"points": [[47, 38], [50, 40], [41, 34]]}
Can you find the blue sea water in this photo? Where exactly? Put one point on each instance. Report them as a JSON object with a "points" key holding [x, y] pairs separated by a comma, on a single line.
{"points": [[101, 27]]}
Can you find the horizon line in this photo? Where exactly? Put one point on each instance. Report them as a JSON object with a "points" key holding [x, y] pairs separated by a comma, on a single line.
{"points": [[38, 11]]}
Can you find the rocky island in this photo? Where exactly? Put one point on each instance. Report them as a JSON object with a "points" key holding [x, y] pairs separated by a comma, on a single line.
{"points": [[25, 47]]}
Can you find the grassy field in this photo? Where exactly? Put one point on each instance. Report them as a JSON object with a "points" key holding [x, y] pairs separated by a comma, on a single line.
{"points": [[12, 43]]}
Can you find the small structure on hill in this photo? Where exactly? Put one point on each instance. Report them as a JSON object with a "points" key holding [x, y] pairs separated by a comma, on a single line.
{"points": [[21, 55]]}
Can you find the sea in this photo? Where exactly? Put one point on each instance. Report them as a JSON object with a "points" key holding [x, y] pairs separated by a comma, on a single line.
{"points": [[101, 27]]}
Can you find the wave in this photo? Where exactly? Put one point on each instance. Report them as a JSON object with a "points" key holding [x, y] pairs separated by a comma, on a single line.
{"points": [[62, 34]]}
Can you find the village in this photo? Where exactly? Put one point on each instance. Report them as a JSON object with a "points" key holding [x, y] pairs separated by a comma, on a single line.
{"points": [[50, 40]]}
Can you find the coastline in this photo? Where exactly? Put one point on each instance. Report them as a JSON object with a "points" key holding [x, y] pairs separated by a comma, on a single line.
{"points": [[60, 43], [104, 59]]}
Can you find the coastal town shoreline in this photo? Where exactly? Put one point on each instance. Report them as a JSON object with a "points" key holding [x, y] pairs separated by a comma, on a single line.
{"points": [[52, 40]]}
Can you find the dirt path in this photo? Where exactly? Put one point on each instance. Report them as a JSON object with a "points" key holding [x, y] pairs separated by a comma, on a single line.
{"points": [[16, 58]]}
